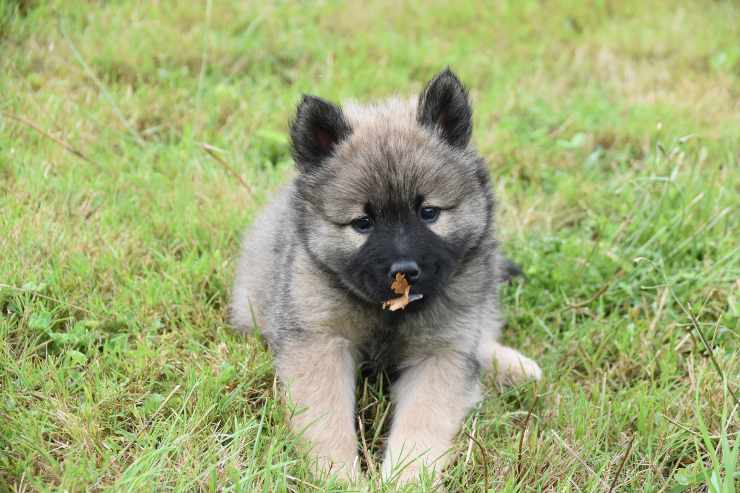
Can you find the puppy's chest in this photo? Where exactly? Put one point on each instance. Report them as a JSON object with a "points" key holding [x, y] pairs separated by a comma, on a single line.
{"points": [[383, 350], [391, 343]]}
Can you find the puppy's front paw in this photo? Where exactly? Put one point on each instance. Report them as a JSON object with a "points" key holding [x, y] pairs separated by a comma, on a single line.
{"points": [[515, 368], [347, 471], [525, 369]]}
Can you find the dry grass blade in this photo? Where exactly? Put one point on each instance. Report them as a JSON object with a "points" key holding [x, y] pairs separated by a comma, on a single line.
{"points": [[49, 298], [103, 90], [303, 482], [577, 457], [603, 289], [469, 449], [365, 450], [213, 152], [46, 134], [694, 432], [621, 464], [484, 458], [695, 325], [521, 439]]}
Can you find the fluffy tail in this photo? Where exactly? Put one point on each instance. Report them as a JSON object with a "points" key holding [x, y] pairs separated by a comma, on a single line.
{"points": [[507, 269]]}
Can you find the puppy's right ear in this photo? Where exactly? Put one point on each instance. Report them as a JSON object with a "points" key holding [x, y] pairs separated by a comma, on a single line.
{"points": [[317, 129]]}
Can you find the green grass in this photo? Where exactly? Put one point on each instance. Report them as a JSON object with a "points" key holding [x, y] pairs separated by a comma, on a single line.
{"points": [[612, 130]]}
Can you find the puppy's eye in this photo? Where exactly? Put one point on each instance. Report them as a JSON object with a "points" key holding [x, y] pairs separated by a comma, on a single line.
{"points": [[362, 224], [429, 214]]}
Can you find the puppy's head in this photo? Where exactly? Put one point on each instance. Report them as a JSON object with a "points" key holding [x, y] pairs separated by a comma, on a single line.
{"points": [[391, 188]]}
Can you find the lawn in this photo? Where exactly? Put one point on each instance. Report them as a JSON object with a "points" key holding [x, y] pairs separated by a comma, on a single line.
{"points": [[612, 132]]}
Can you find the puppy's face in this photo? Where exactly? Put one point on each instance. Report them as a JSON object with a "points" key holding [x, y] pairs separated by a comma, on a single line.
{"points": [[398, 192]]}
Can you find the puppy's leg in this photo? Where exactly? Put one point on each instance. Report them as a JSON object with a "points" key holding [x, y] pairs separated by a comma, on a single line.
{"points": [[319, 373], [431, 399], [513, 367]]}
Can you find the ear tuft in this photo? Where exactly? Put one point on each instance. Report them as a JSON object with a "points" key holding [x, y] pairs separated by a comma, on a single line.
{"points": [[444, 108], [317, 129]]}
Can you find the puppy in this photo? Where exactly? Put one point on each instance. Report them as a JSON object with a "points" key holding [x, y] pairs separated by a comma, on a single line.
{"points": [[388, 189]]}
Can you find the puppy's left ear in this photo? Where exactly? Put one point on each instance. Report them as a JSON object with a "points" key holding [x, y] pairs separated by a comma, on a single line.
{"points": [[444, 108]]}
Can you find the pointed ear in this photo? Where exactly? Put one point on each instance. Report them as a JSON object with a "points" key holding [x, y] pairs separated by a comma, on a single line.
{"points": [[318, 127], [444, 108]]}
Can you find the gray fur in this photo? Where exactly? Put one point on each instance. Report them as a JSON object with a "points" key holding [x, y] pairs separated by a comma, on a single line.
{"points": [[290, 284]]}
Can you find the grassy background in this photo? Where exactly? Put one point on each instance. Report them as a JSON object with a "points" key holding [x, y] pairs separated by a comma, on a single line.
{"points": [[612, 129]]}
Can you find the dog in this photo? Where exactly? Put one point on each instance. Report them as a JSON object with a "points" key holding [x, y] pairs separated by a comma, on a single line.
{"points": [[383, 190]]}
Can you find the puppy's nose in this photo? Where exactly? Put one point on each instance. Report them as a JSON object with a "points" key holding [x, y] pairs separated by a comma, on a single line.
{"points": [[408, 268]]}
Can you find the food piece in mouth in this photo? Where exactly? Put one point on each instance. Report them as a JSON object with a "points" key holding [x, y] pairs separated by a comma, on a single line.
{"points": [[401, 287]]}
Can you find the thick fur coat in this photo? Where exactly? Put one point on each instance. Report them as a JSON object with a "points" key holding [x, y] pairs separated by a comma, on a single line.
{"points": [[383, 188]]}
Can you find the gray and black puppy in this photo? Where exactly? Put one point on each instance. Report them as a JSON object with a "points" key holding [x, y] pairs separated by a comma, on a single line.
{"points": [[394, 187]]}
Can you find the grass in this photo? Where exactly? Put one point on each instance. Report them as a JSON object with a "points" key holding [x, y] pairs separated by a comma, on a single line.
{"points": [[611, 129]]}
